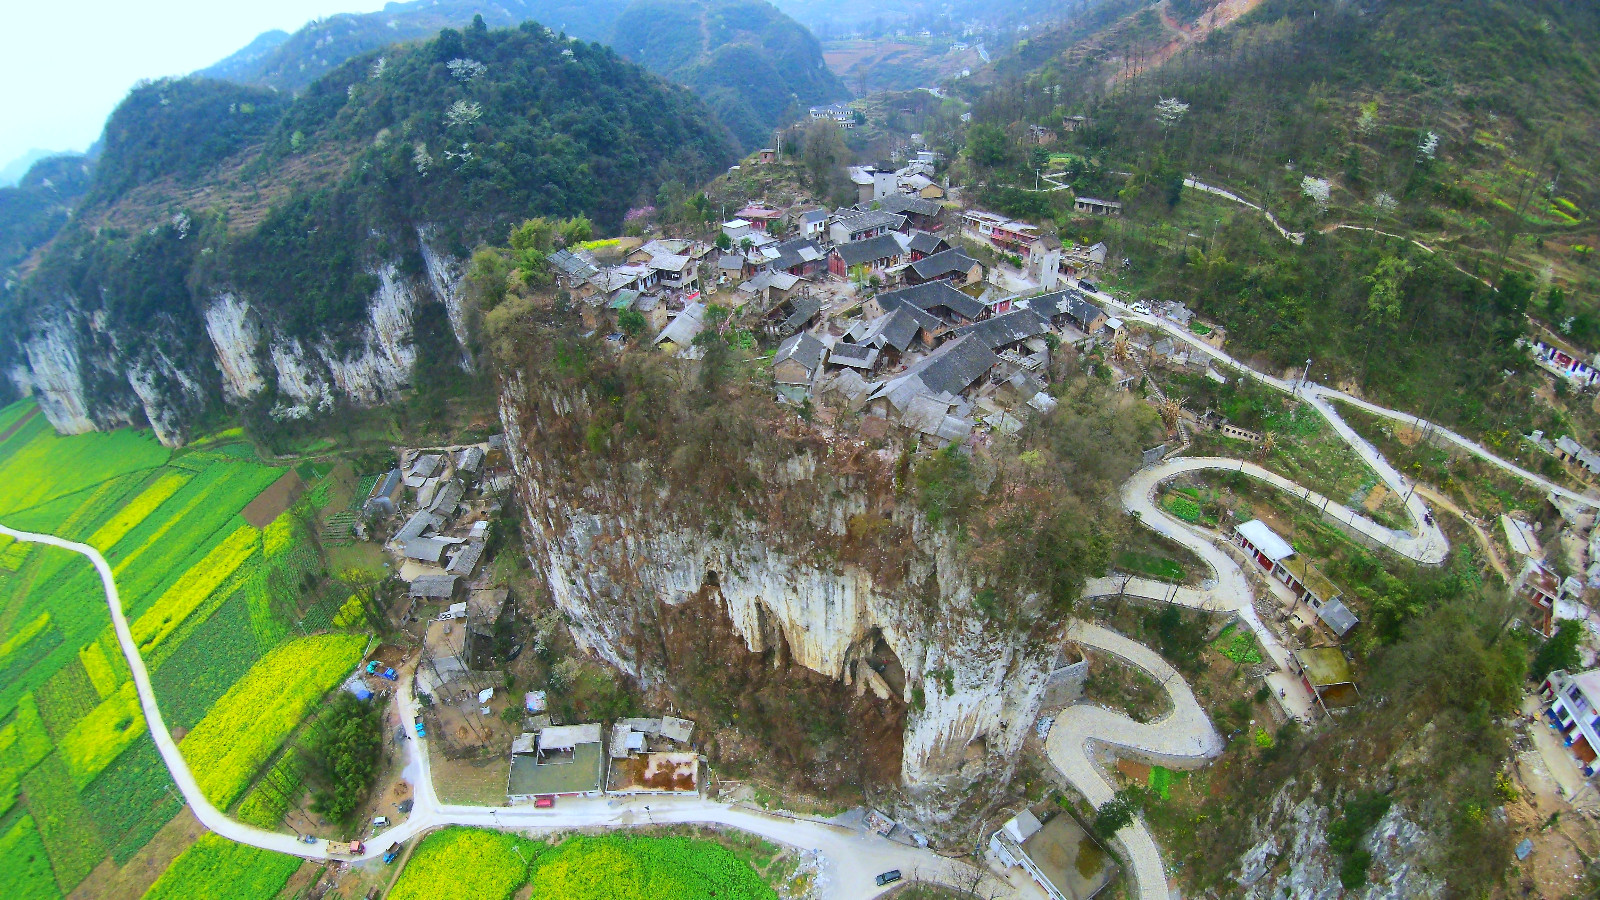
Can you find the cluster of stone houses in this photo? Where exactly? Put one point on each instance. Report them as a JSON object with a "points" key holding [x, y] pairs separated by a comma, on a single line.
{"points": [[446, 497], [658, 279], [933, 360]]}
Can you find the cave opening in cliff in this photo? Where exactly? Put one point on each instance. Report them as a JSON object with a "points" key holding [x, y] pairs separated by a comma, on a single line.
{"points": [[769, 717]]}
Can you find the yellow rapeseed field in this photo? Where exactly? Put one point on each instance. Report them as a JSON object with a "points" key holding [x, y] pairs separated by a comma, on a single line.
{"points": [[248, 723]]}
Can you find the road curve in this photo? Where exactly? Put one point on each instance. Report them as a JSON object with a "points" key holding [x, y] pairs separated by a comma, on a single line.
{"points": [[1183, 738], [1319, 394], [208, 815], [848, 859]]}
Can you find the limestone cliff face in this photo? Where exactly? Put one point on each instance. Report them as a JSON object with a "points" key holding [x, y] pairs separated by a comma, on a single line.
{"points": [[971, 692], [87, 376]]}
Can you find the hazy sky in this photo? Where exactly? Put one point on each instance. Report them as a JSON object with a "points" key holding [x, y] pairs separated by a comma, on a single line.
{"points": [[64, 67]]}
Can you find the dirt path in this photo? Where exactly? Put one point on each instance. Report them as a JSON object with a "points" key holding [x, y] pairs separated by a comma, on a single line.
{"points": [[1485, 540]]}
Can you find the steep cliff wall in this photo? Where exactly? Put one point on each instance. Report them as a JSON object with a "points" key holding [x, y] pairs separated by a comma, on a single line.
{"points": [[616, 551], [88, 375]]}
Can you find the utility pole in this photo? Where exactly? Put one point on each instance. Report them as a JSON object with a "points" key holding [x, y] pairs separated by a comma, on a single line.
{"points": [[1304, 376]]}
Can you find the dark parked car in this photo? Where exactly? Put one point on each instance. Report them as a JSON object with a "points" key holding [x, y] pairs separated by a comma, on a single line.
{"points": [[889, 877], [1089, 286]]}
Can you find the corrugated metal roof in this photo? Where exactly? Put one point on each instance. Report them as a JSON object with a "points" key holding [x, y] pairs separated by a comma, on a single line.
{"points": [[1265, 540]]}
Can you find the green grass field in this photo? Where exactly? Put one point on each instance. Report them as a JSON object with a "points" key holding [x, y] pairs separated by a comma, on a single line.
{"points": [[80, 778]]}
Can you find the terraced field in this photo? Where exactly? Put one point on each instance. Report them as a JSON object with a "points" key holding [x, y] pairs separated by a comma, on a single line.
{"points": [[81, 783]]}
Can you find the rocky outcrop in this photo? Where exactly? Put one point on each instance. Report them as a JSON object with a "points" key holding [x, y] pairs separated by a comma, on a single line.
{"points": [[237, 340], [166, 372], [169, 396], [971, 691], [1292, 859]]}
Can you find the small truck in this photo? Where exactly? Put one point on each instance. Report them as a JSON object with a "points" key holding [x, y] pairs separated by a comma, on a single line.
{"points": [[421, 731], [390, 854], [341, 848]]}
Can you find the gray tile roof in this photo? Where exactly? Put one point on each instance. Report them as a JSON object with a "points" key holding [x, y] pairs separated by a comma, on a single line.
{"points": [[1069, 303], [857, 253], [1009, 328], [857, 356], [427, 549], [683, 329], [803, 309], [943, 263], [420, 521], [803, 348], [1337, 616], [466, 559], [795, 252], [928, 243], [906, 203], [898, 328], [936, 294], [946, 371], [434, 587], [855, 220], [570, 263]]}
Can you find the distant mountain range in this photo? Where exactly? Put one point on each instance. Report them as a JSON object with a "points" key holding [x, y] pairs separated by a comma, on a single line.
{"points": [[755, 66], [294, 253]]}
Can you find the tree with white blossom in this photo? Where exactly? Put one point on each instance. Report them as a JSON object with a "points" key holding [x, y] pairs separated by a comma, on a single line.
{"points": [[462, 112], [421, 158], [379, 66], [1384, 203], [1428, 146], [1170, 111], [1318, 191], [466, 69]]}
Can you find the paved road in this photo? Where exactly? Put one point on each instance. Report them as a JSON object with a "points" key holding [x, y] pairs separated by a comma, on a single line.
{"points": [[849, 859], [1320, 395], [1183, 738]]}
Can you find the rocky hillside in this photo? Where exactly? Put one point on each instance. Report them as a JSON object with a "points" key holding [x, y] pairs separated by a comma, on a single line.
{"points": [[707, 542], [752, 64], [295, 256]]}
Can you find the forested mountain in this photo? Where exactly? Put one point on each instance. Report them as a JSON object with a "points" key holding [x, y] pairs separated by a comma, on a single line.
{"points": [[750, 62], [285, 251], [1472, 128], [831, 18], [755, 66], [32, 211]]}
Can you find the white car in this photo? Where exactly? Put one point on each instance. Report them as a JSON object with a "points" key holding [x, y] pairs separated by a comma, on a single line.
{"points": [[380, 822], [1141, 308]]}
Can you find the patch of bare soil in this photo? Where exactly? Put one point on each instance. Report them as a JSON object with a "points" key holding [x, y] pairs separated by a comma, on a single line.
{"points": [[270, 503], [130, 881]]}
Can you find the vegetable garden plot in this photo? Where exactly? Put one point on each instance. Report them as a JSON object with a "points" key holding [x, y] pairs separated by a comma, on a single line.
{"points": [[23, 742], [66, 698], [206, 664], [24, 866], [93, 743], [217, 867], [68, 832], [132, 799]]}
